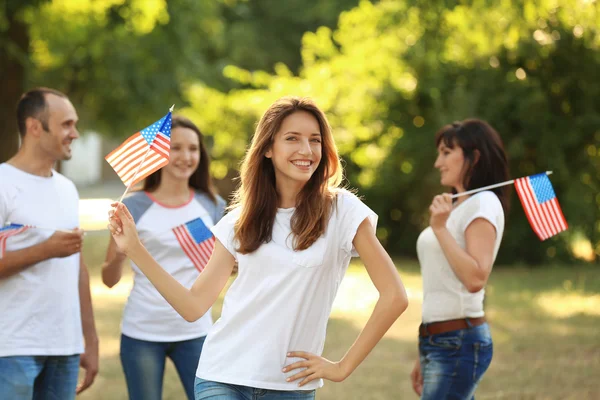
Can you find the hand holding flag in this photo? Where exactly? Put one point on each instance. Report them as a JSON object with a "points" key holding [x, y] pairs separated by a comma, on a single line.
{"points": [[62, 243]]}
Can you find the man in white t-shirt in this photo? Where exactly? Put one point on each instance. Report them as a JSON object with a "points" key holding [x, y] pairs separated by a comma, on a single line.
{"points": [[45, 302]]}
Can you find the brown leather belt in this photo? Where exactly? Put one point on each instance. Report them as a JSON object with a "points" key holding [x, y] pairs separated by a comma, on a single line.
{"points": [[435, 328]]}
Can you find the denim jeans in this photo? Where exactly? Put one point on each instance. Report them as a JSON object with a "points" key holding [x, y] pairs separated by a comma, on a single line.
{"points": [[225, 391], [144, 365], [453, 363], [39, 377]]}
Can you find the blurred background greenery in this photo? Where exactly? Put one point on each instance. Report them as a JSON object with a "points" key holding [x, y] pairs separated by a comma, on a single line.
{"points": [[388, 74]]}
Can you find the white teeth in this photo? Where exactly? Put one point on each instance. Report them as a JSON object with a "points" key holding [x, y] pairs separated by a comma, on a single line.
{"points": [[301, 163]]}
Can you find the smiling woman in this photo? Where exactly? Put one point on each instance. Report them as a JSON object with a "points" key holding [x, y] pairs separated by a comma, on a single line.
{"points": [[296, 150], [292, 232]]}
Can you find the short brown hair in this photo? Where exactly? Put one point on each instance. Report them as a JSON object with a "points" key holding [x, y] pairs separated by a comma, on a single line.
{"points": [[32, 104]]}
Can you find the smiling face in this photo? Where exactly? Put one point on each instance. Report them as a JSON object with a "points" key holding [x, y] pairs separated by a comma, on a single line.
{"points": [[450, 162], [184, 156], [296, 148], [61, 124]]}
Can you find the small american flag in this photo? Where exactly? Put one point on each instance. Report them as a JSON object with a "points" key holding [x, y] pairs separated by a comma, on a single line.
{"points": [[8, 231], [197, 241], [540, 205], [149, 147]]}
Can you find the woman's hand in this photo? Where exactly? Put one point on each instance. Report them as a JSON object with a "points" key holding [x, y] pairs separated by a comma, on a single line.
{"points": [[439, 210], [316, 367], [416, 378], [122, 228]]}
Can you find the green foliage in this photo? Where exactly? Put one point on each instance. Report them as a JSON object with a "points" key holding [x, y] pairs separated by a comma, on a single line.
{"points": [[123, 62], [394, 72], [388, 75]]}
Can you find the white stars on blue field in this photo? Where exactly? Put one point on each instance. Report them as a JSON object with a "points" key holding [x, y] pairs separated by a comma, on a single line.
{"points": [[163, 125], [542, 187]]}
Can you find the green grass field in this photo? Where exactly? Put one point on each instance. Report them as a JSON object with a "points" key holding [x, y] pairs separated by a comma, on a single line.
{"points": [[545, 323]]}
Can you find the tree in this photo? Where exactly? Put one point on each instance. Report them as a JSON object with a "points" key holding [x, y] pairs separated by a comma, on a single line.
{"points": [[14, 50], [394, 72], [123, 62]]}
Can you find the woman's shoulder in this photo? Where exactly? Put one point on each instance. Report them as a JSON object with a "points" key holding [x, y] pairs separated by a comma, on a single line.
{"points": [[487, 198], [137, 203], [232, 215], [483, 203], [346, 197], [199, 194], [348, 204]]}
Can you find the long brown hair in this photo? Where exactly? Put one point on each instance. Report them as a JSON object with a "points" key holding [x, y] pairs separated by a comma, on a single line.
{"points": [[257, 194], [200, 179], [472, 136]]}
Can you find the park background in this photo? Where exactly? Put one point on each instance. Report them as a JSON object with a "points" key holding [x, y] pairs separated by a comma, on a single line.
{"points": [[388, 74]]}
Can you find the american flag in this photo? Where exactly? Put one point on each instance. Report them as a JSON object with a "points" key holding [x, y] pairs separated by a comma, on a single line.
{"points": [[197, 241], [8, 231], [149, 147], [540, 205]]}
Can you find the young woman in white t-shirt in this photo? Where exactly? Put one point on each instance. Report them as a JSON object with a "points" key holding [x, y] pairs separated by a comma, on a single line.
{"points": [[456, 253], [151, 330], [292, 233]]}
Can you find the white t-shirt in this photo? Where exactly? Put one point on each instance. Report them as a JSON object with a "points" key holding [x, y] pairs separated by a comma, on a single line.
{"points": [[147, 315], [39, 306], [280, 300], [444, 295]]}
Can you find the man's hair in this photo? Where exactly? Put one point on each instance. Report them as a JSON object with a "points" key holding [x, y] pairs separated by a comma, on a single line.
{"points": [[33, 104]]}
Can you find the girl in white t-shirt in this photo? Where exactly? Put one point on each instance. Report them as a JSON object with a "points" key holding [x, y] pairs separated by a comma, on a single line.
{"points": [[456, 253], [292, 233], [151, 330]]}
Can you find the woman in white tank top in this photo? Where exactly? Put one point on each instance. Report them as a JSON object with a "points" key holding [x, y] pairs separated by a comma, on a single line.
{"points": [[456, 253]]}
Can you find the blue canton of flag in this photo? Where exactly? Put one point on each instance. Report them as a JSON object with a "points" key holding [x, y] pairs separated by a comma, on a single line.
{"points": [[197, 242], [163, 126], [542, 188], [198, 230], [11, 227]]}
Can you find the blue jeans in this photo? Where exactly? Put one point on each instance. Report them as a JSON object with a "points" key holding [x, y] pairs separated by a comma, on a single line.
{"points": [[453, 363], [39, 377], [144, 365], [225, 391]]}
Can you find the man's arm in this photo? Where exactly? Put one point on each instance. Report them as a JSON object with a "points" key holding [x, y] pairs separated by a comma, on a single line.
{"points": [[89, 359], [60, 244], [14, 262]]}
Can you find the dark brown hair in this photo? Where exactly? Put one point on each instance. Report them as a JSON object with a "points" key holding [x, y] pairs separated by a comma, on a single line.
{"points": [[486, 162], [200, 179], [257, 195], [33, 104]]}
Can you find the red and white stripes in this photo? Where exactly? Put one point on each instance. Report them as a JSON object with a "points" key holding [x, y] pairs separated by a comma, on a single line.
{"points": [[199, 253], [545, 218]]}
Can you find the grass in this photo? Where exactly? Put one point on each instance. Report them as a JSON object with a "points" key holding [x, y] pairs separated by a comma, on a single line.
{"points": [[545, 323]]}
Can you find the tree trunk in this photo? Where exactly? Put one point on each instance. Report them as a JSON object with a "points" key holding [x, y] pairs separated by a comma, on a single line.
{"points": [[14, 52]]}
